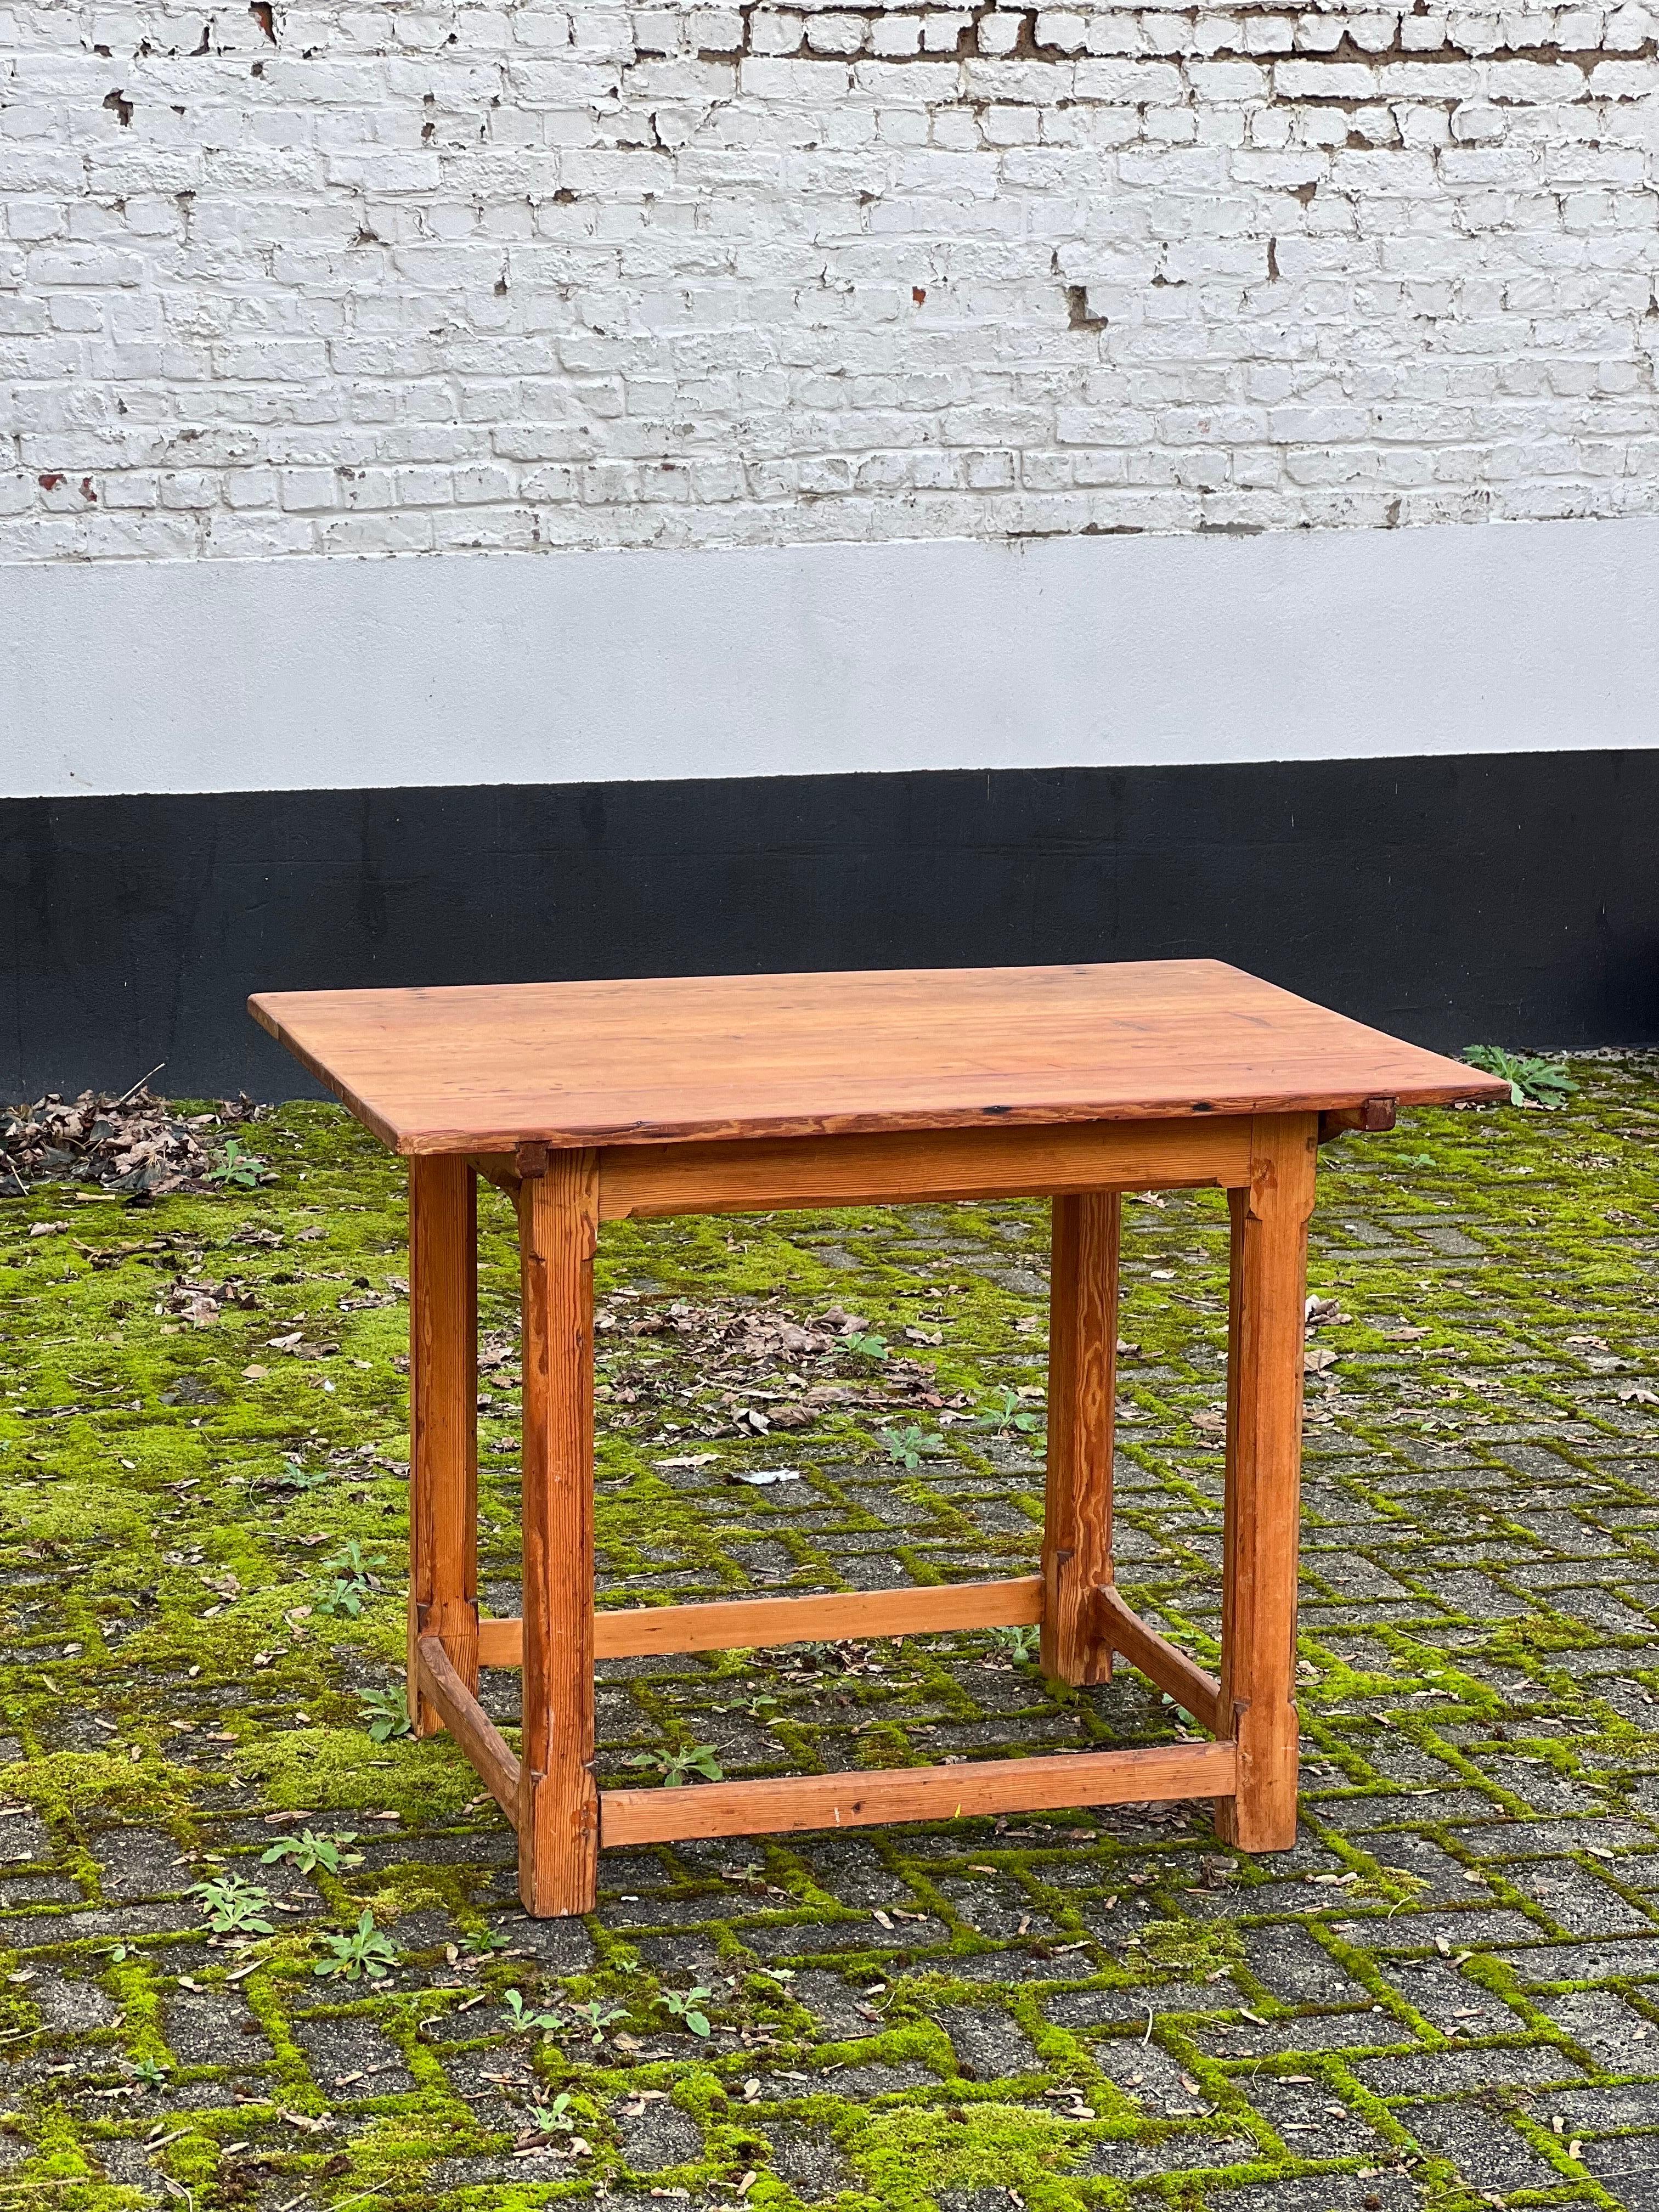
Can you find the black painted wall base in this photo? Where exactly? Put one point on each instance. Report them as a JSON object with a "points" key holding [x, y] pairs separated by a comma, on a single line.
{"points": [[1513, 899]]}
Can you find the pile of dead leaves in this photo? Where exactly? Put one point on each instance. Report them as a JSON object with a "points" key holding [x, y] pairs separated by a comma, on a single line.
{"points": [[136, 1145], [198, 1303], [762, 1334], [750, 1367]]}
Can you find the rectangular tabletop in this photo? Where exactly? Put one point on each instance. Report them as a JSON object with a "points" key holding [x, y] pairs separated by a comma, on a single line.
{"points": [[485, 1067]]}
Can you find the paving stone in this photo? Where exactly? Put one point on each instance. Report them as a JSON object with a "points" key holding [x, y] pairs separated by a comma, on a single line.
{"points": [[70, 2006], [660, 2136], [558, 1946], [989, 2046], [1577, 1901], [1314, 2122], [1486, 2149], [1620, 2039], [1085, 2009], [1311, 2033], [128, 2165], [1635, 1958], [30, 1889], [1591, 2110], [1143, 2070], [496, 2082], [213, 2028], [838, 2006], [1336, 2192], [24, 1834], [1449, 2000], [340, 2045], [137, 1863], [1496, 1929], [1295, 1966], [809, 2164], [875, 2078], [30, 1931], [1417, 2074], [819, 1939]]}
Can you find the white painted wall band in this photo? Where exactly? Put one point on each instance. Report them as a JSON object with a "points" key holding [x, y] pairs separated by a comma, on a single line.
{"points": [[596, 666]]}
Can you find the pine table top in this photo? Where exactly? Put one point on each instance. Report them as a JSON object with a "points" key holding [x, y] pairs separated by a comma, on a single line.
{"points": [[484, 1067]]}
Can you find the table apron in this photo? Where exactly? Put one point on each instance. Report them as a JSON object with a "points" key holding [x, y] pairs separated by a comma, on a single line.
{"points": [[901, 1167]]}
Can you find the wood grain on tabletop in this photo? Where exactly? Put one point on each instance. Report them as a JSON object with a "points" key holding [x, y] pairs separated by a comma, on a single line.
{"points": [[482, 1067]]}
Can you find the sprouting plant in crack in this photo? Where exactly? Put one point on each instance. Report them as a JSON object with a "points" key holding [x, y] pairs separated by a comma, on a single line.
{"points": [[152, 2072], [1528, 1077], [386, 1713], [233, 1905], [909, 1445], [677, 1766], [687, 2007], [526, 2021], [555, 2118], [595, 2016], [1006, 1409], [354, 1578], [296, 1476], [366, 1954], [308, 1850], [1023, 1643]]}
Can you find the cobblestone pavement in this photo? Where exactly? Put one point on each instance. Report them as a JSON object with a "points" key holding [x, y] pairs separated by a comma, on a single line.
{"points": [[258, 1948]]}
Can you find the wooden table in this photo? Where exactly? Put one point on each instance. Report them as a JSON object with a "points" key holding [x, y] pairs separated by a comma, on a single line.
{"points": [[590, 1101]]}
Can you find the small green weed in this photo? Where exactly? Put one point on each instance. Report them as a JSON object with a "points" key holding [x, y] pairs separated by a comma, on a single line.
{"points": [[386, 1713], [1528, 1078], [527, 2022], [366, 1954], [686, 2006], [294, 1476], [150, 2071], [1006, 1409], [596, 2016], [234, 1906], [308, 1850], [910, 1445], [354, 1578], [678, 1767], [236, 1164], [867, 1344], [555, 2118], [1023, 1643]]}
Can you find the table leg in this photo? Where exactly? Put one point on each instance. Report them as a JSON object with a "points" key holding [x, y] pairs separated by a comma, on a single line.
{"points": [[1264, 1474], [1076, 1537], [443, 1421], [558, 1796]]}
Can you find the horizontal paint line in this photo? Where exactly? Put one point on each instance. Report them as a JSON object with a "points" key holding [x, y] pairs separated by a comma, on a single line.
{"points": [[314, 674]]}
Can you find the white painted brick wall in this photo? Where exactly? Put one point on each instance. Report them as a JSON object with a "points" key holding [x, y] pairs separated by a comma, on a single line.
{"points": [[353, 278]]}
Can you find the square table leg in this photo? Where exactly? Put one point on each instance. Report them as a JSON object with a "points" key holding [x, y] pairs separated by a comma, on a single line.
{"points": [[558, 1796], [1264, 1477], [443, 1422], [1077, 1533]]}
